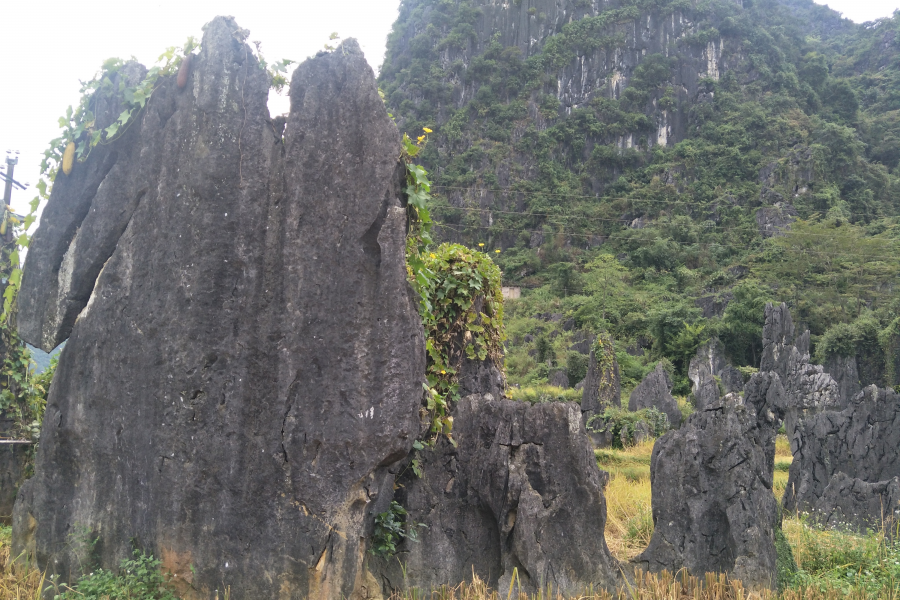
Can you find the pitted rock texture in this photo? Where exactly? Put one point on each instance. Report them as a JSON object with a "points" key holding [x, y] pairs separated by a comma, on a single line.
{"points": [[862, 441], [521, 489], [655, 391], [851, 503], [249, 360], [602, 389], [713, 509], [809, 388]]}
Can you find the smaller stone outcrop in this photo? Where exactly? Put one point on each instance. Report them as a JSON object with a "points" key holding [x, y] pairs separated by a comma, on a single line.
{"points": [[713, 509], [559, 378], [732, 379], [520, 490], [603, 384], [851, 503], [708, 364], [707, 393], [655, 391], [861, 441], [709, 359], [844, 372], [808, 387]]}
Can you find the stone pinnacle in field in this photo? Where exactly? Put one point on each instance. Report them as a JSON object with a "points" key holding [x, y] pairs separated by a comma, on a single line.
{"points": [[244, 357]]}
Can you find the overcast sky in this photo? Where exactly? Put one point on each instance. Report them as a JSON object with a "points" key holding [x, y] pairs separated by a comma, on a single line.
{"points": [[48, 46]]}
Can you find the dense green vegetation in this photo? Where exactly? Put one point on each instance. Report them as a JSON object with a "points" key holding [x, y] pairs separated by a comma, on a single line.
{"points": [[661, 245]]}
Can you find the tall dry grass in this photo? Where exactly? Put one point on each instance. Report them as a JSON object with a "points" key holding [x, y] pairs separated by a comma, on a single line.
{"points": [[646, 586], [18, 581]]}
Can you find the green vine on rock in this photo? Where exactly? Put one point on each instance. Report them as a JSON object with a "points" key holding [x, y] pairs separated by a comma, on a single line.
{"points": [[460, 298], [605, 356], [465, 322]]}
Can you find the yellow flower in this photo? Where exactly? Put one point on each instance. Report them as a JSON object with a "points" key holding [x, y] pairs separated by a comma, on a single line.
{"points": [[421, 137], [480, 245], [426, 130], [433, 255], [497, 251], [443, 372]]}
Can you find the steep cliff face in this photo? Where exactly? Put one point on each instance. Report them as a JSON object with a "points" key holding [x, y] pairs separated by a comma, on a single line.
{"points": [[244, 357]]}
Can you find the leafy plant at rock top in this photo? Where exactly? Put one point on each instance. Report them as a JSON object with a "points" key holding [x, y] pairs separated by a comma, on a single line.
{"points": [[390, 529], [139, 578], [465, 322]]}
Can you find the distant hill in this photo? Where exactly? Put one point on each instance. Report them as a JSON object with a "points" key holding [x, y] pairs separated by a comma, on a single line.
{"points": [[661, 168]]}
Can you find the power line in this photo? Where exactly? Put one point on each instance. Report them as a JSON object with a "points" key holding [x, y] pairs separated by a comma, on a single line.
{"points": [[724, 245], [532, 194], [605, 220]]}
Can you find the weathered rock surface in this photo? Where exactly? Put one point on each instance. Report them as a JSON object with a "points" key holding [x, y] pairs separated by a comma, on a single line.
{"points": [[655, 391], [844, 372], [862, 441], [520, 490], [713, 508], [851, 503], [732, 379], [248, 362], [559, 378], [709, 360], [707, 394], [808, 387], [602, 386], [14, 460]]}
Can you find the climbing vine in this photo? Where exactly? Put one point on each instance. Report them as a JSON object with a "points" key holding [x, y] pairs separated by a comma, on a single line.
{"points": [[460, 298], [604, 353]]}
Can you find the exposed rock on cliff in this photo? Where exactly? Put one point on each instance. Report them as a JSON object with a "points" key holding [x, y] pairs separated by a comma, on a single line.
{"points": [[247, 364], [713, 508], [862, 441], [520, 490], [656, 391]]}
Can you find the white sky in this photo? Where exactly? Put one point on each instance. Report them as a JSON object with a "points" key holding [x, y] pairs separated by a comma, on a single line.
{"points": [[47, 46]]}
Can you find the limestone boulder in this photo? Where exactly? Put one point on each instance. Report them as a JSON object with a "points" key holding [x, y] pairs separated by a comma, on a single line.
{"points": [[520, 490], [247, 360], [851, 503], [713, 509], [862, 441], [655, 391]]}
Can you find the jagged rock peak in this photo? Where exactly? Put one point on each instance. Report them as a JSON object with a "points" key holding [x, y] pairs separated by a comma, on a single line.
{"points": [[245, 357]]}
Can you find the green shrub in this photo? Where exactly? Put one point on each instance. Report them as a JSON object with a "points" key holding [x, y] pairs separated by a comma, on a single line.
{"points": [[615, 420], [139, 578]]}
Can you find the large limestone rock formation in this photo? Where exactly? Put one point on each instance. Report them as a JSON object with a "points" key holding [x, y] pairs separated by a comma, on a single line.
{"points": [[862, 441], [245, 357], [809, 388], [713, 508], [655, 391], [520, 490]]}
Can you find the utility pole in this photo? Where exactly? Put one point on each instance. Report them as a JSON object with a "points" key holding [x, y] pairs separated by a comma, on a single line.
{"points": [[11, 162]]}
